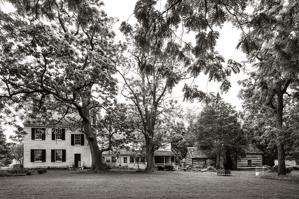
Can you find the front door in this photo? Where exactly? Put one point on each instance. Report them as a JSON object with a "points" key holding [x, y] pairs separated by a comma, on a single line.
{"points": [[77, 160]]}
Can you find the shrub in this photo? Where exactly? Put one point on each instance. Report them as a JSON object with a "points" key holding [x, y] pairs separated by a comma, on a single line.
{"points": [[169, 167], [41, 171], [275, 169], [4, 173], [17, 166]]}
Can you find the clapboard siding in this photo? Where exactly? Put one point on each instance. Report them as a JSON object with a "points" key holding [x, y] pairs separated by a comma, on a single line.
{"points": [[48, 144]]}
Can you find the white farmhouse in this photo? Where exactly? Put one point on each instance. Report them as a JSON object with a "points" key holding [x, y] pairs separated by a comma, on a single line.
{"points": [[54, 146]]}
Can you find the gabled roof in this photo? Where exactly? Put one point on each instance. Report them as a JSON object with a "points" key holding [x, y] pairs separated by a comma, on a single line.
{"points": [[194, 152], [252, 149]]}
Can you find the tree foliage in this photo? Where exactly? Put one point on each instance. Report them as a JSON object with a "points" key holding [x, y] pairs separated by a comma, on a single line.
{"points": [[218, 130], [271, 43], [115, 129], [4, 150], [156, 63], [59, 54]]}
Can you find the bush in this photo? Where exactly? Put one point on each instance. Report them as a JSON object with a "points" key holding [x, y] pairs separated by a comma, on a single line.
{"points": [[16, 171], [41, 171], [4, 173], [160, 168], [17, 166], [275, 169], [169, 167]]}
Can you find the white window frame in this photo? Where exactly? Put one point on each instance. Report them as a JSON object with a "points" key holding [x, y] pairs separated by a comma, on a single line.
{"points": [[57, 151]]}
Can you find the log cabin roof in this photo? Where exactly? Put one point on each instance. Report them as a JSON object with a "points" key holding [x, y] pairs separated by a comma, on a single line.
{"points": [[252, 149], [194, 152]]}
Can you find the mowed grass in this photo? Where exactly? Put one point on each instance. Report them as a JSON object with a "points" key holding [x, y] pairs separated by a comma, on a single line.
{"points": [[178, 184]]}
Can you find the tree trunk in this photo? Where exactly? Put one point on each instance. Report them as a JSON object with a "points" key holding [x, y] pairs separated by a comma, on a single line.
{"points": [[279, 136], [149, 154], [219, 160], [96, 156]]}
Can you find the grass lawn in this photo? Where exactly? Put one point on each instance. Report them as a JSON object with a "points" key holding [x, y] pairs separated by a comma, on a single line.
{"points": [[179, 184]]}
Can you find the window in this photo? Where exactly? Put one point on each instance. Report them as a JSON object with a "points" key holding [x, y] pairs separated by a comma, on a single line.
{"points": [[58, 134], [38, 155], [131, 159], [125, 159], [58, 155], [77, 139], [38, 133]]}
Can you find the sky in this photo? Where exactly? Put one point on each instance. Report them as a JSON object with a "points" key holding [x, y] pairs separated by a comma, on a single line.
{"points": [[226, 46]]}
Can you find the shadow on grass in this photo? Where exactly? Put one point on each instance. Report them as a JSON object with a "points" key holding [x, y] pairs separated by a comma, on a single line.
{"points": [[120, 172], [274, 176]]}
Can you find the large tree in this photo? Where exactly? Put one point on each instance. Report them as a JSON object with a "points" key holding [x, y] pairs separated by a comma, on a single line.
{"points": [[60, 55], [161, 58], [271, 43], [219, 131], [155, 65], [260, 122]]}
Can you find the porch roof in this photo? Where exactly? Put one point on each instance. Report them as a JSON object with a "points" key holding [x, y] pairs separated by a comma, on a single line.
{"points": [[163, 153]]}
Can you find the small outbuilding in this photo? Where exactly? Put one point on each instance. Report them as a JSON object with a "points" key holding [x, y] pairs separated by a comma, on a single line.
{"points": [[253, 158], [197, 158]]}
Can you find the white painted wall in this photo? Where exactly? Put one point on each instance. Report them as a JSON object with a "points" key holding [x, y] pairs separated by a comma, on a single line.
{"points": [[50, 144]]}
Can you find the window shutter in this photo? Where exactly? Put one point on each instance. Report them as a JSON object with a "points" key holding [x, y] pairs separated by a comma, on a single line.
{"points": [[72, 139], [52, 155], [53, 134], [44, 135], [63, 134], [32, 155], [63, 155], [44, 155], [32, 134], [82, 139]]}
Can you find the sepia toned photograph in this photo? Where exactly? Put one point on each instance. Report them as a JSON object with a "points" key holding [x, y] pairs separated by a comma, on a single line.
{"points": [[161, 99]]}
